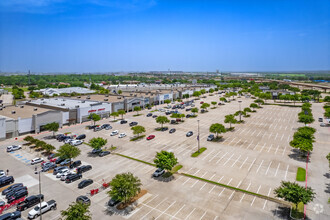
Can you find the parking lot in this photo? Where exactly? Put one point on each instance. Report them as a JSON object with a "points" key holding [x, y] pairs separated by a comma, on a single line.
{"points": [[255, 157]]}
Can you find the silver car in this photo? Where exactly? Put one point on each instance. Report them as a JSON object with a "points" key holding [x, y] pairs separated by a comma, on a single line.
{"points": [[13, 148]]}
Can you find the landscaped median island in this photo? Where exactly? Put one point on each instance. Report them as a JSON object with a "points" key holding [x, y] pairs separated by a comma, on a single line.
{"points": [[197, 153], [301, 174], [132, 158], [137, 138]]}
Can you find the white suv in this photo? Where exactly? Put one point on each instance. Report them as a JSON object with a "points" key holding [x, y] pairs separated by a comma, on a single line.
{"points": [[114, 133], [76, 142], [121, 135], [13, 148], [36, 160]]}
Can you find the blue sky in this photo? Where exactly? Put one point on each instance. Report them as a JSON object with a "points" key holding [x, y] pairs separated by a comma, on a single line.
{"points": [[145, 35]]}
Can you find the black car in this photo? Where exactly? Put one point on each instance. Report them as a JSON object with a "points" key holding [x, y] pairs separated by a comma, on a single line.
{"points": [[15, 190], [210, 137], [29, 202], [57, 169], [164, 129], [85, 183], [123, 122], [133, 123], [17, 195], [59, 160], [173, 122], [11, 215], [84, 200], [74, 164], [172, 130], [190, 133], [167, 113], [96, 151], [63, 138], [149, 114], [84, 168], [10, 188], [59, 137], [154, 116], [91, 127], [73, 177], [203, 111], [113, 202], [80, 137], [6, 181], [104, 153]]}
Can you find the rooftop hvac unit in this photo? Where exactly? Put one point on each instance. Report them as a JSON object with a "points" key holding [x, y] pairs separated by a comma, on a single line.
{"points": [[42, 99], [63, 104], [13, 112], [118, 97], [88, 97], [135, 95], [56, 99], [35, 109], [44, 102], [63, 100], [77, 106]]}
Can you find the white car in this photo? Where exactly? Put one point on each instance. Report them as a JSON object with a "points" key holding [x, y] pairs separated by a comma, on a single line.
{"points": [[36, 160], [76, 142], [61, 172], [2, 173], [68, 141], [121, 135], [115, 132], [65, 174], [13, 148]]}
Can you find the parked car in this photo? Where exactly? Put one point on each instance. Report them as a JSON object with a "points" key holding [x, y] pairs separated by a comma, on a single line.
{"points": [[59, 160], [210, 137], [201, 102], [36, 160], [2, 173], [10, 188], [73, 177], [164, 129], [66, 174], [13, 148], [84, 168], [58, 169], [123, 122], [42, 208], [113, 201], [11, 215], [133, 123], [190, 133], [174, 122], [203, 111], [150, 137], [74, 164], [51, 156], [76, 142], [29, 202], [172, 130], [97, 128], [84, 200], [65, 162], [158, 172], [320, 119], [104, 153], [149, 114], [17, 195], [96, 151], [154, 116], [81, 137], [323, 124], [68, 140], [106, 126], [121, 135], [15, 190], [85, 183], [113, 133], [61, 172], [48, 166], [90, 127]]}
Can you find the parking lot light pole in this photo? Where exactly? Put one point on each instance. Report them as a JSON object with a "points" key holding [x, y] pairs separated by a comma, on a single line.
{"points": [[38, 172], [198, 137], [239, 101]]}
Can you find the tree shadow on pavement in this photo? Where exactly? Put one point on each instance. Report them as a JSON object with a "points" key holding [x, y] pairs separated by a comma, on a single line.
{"points": [[114, 211], [163, 179], [297, 155], [283, 212], [327, 190]]}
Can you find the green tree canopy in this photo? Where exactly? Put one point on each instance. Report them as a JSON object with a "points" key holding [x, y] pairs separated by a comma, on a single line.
{"points": [[52, 127], [205, 105], [306, 119], [124, 187], [97, 143], [122, 113], [247, 110], [167, 101], [253, 105], [223, 99], [326, 99], [67, 151], [94, 117], [114, 115], [196, 93], [137, 109], [138, 129], [230, 119], [293, 192], [165, 160], [162, 120], [217, 129], [76, 210], [194, 110], [214, 103], [304, 145], [48, 148]]}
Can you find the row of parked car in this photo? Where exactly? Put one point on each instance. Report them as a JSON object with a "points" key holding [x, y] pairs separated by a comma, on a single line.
{"points": [[74, 141]]}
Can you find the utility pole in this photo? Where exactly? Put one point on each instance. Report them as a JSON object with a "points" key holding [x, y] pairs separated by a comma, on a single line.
{"points": [[198, 137], [240, 113]]}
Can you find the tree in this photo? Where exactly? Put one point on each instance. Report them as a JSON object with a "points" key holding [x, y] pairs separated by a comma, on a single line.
{"points": [[114, 115], [194, 110], [28, 139], [124, 187], [214, 104], [230, 119], [217, 129], [259, 101], [162, 120], [138, 130], [304, 145], [94, 117], [52, 127], [76, 210], [165, 160], [122, 113], [293, 192], [137, 109], [67, 151], [205, 105], [48, 148], [120, 92], [240, 113], [203, 91], [253, 106], [306, 119], [326, 99], [167, 101], [328, 157], [223, 99], [247, 110], [97, 143], [196, 94], [211, 90]]}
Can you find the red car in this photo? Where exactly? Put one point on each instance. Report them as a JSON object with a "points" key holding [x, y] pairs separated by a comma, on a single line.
{"points": [[53, 160], [201, 102], [150, 137]]}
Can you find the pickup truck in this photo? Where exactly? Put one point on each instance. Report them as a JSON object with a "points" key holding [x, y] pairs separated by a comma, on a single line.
{"points": [[45, 207], [29, 202]]}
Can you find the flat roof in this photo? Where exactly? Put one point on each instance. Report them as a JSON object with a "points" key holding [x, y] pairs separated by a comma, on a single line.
{"points": [[25, 112], [100, 98], [64, 103]]}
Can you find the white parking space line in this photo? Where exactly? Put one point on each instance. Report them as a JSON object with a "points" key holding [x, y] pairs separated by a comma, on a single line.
{"points": [[253, 132], [270, 147], [225, 188], [197, 180], [270, 135], [277, 149], [288, 139], [259, 166], [234, 190], [286, 172], [189, 178], [276, 136], [190, 213], [244, 193], [165, 210], [277, 169], [222, 157], [284, 150], [262, 147], [266, 199], [155, 208], [237, 142], [215, 156], [207, 155], [214, 185], [178, 211], [231, 141], [243, 162], [228, 159], [252, 164], [268, 167], [255, 197], [236, 160], [203, 215], [286, 127], [205, 183], [258, 133]]}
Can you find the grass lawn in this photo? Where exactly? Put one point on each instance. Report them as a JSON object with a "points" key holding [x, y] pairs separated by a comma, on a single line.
{"points": [[196, 154], [137, 138], [176, 168], [301, 174]]}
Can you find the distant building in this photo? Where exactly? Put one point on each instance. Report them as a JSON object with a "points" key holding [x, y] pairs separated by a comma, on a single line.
{"points": [[69, 90]]}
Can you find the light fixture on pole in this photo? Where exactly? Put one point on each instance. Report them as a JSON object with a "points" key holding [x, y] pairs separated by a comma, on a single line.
{"points": [[198, 137], [240, 112]]}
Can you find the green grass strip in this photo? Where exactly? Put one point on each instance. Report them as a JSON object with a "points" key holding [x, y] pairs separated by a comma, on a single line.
{"points": [[238, 189], [301, 174], [132, 158], [196, 154], [176, 168], [286, 105]]}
